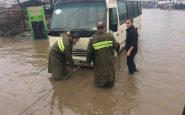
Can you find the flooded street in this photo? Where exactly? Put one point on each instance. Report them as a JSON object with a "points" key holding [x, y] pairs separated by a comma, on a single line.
{"points": [[157, 89]]}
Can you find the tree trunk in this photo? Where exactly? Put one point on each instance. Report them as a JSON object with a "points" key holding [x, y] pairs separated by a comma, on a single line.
{"points": [[24, 25]]}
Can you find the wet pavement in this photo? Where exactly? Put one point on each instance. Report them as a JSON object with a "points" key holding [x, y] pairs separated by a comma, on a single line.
{"points": [[157, 89]]}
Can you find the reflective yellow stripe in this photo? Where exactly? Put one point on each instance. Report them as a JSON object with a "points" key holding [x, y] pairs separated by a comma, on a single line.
{"points": [[103, 44], [60, 44]]}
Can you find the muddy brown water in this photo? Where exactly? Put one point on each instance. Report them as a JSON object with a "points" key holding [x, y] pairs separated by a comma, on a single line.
{"points": [[157, 89]]}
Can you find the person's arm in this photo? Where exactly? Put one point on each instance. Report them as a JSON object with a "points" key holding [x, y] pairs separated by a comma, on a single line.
{"points": [[68, 55], [130, 50], [90, 52], [116, 45]]}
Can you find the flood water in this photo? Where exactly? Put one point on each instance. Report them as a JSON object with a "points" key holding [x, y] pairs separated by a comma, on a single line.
{"points": [[157, 89]]}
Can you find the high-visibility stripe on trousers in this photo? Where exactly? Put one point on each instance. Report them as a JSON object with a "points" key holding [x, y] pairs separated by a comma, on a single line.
{"points": [[103, 44], [61, 45]]}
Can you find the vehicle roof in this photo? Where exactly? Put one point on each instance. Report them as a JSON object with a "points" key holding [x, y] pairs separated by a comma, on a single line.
{"points": [[67, 1]]}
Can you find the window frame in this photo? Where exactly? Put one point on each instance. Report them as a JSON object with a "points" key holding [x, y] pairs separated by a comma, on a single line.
{"points": [[125, 13], [140, 9], [128, 9], [115, 21], [136, 8]]}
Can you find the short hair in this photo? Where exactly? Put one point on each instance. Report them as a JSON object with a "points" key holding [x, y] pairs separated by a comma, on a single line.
{"points": [[131, 20], [75, 35], [100, 26]]}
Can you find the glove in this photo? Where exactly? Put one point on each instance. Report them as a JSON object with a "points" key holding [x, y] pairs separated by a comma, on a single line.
{"points": [[116, 54], [74, 69], [88, 64]]}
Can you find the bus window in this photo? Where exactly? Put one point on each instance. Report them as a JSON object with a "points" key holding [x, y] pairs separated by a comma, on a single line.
{"points": [[130, 10], [136, 9], [122, 8], [78, 15], [140, 9], [113, 19]]}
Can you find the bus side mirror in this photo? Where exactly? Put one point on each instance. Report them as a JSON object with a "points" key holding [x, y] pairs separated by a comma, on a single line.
{"points": [[114, 27]]}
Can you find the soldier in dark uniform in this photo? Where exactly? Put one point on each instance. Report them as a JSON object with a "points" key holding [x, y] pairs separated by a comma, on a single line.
{"points": [[60, 53], [101, 51], [131, 45]]}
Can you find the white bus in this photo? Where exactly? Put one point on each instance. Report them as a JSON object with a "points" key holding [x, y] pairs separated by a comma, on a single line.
{"points": [[81, 16]]}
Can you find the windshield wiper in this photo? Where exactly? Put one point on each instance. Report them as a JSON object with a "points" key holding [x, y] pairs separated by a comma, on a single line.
{"points": [[58, 29], [81, 29]]}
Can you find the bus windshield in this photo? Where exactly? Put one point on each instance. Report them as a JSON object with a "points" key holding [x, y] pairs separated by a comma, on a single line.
{"points": [[78, 16]]}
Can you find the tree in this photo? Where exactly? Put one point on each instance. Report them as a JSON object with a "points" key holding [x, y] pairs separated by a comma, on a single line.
{"points": [[19, 4], [23, 16], [10, 23]]}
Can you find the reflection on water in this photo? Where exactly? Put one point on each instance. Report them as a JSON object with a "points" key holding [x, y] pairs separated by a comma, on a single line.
{"points": [[157, 89], [88, 100]]}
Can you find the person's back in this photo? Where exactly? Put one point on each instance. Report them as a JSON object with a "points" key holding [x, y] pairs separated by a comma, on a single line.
{"points": [[103, 49], [56, 50], [101, 52]]}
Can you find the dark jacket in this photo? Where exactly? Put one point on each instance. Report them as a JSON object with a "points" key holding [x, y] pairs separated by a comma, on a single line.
{"points": [[57, 58], [101, 51], [132, 39]]}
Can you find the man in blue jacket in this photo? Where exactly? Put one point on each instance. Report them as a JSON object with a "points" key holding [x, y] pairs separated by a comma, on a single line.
{"points": [[131, 45]]}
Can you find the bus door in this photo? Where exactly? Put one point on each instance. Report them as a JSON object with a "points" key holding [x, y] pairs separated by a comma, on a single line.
{"points": [[113, 23], [39, 30]]}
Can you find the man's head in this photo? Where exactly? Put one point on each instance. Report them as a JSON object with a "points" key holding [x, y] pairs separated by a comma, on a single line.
{"points": [[75, 38], [129, 23], [100, 26]]}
